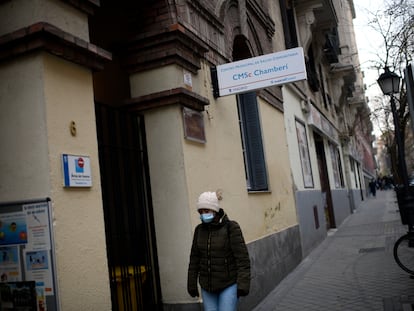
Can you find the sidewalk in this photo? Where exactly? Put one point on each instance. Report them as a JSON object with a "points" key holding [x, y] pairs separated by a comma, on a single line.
{"points": [[353, 268]]}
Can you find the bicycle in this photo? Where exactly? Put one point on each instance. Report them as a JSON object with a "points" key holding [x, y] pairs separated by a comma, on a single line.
{"points": [[404, 246], [404, 252]]}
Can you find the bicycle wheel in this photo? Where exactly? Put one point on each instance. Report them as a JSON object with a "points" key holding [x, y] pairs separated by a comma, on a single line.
{"points": [[404, 253]]}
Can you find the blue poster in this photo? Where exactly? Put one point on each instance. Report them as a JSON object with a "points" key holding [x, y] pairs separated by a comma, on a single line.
{"points": [[13, 229]]}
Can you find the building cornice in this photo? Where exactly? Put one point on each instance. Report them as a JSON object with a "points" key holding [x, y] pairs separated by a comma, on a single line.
{"points": [[43, 36], [175, 45], [178, 95]]}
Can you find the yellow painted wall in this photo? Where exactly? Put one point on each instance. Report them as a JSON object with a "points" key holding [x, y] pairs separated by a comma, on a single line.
{"points": [[18, 14], [294, 112], [169, 199], [40, 94], [24, 163], [281, 204], [57, 92], [181, 169], [219, 165], [78, 213]]}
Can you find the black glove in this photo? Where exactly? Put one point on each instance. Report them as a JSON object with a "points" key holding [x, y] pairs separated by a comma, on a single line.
{"points": [[193, 292], [241, 292]]}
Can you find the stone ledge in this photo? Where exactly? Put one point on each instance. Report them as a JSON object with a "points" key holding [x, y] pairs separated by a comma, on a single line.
{"points": [[174, 45], [178, 95], [44, 36]]}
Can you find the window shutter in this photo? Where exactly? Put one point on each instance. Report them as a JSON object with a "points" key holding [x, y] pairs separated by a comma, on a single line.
{"points": [[253, 142]]}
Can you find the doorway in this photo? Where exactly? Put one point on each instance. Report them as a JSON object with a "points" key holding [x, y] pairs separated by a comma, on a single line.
{"points": [[324, 179], [359, 184], [129, 226]]}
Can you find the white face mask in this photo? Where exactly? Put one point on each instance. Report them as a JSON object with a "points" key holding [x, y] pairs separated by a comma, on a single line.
{"points": [[207, 218]]}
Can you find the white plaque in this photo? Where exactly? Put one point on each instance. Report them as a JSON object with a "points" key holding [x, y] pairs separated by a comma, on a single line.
{"points": [[76, 171]]}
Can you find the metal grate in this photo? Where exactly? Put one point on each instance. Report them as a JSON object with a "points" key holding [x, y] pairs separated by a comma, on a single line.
{"points": [[127, 209]]}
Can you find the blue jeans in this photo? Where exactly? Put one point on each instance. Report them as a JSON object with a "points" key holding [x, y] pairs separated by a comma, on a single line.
{"points": [[226, 300]]}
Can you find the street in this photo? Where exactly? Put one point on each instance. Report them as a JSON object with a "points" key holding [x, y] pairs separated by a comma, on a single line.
{"points": [[353, 268]]}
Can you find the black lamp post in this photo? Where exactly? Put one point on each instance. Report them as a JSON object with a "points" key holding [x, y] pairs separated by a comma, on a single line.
{"points": [[389, 83]]}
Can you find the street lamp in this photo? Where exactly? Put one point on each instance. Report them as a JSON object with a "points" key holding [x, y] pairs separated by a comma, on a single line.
{"points": [[389, 83]]}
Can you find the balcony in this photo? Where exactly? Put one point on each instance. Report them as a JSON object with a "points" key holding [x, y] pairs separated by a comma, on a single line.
{"points": [[358, 97], [317, 20], [323, 10]]}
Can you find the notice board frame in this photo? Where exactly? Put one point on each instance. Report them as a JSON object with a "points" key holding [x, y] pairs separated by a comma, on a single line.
{"points": [[26, 233]]}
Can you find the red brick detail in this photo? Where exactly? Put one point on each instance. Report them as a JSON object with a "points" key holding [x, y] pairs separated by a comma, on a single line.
{"points": [[43, 36], [174, 45], [179, 96]]}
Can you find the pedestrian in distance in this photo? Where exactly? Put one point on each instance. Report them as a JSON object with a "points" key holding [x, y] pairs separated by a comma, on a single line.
{"points": [[373, 187], [219, 259]]}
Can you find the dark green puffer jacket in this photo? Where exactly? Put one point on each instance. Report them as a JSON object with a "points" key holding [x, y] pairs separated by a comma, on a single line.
{"points": [[219, 257]]}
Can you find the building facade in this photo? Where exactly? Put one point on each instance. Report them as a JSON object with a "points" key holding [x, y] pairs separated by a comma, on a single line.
{"points": [[128, 87], [326, 118]]}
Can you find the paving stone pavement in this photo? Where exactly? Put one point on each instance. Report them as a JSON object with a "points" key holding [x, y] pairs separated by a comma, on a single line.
{"points": [[353, 268]]}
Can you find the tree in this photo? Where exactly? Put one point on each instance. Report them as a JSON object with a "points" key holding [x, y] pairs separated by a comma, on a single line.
{"points": [[395, 24]]}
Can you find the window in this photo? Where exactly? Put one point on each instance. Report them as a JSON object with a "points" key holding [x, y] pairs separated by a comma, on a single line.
{"points": [[323, 90], [304, 154], [251, 135], [289, 26], [331, 47], [312, 74], [336, 166]]}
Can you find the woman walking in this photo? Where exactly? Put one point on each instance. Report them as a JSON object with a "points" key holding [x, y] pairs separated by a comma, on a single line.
{"points": [[219, 259]]}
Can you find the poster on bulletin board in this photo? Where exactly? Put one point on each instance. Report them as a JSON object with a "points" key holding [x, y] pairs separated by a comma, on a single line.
{"points": [[27, 267]]}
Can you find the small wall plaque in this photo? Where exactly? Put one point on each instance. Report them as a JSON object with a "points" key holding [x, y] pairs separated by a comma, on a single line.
{"points": [[76, 171], [193, 125]]}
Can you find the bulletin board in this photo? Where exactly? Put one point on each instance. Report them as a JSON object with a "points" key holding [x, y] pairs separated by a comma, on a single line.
{"points": [[27, 262]]}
